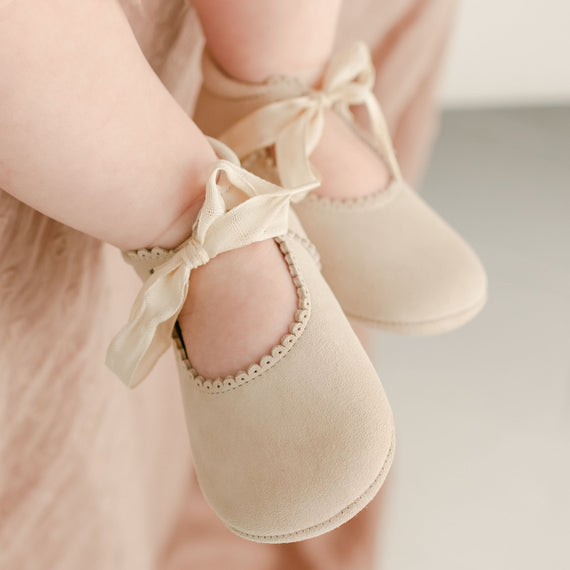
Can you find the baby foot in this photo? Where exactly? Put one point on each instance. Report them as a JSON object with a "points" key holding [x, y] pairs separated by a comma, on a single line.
{"points": [[238, 308], [349, 167]]}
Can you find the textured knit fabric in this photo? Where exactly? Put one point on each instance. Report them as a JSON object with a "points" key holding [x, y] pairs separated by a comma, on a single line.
{"points": [[97, 477]]}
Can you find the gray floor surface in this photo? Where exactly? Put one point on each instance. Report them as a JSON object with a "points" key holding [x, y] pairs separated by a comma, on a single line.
{"points": [[482, 472]]}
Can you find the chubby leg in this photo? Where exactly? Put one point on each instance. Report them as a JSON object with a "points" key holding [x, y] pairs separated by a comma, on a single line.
{"points": [[88, 134], [90, 137], [255, 39]]}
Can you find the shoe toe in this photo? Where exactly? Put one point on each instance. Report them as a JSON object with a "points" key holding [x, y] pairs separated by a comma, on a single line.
{"points": [[396, 264], [302, 446]]}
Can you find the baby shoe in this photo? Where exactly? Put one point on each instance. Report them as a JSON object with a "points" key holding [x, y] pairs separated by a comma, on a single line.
{"points": [[391, 261], [297, 443]]}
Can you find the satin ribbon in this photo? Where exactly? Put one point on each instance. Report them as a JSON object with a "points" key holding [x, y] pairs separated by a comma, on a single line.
{"points": [[239, 209], [295, 125]]}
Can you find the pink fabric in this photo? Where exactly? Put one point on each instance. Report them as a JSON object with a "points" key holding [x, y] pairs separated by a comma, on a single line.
{"points": [[94, 476]]}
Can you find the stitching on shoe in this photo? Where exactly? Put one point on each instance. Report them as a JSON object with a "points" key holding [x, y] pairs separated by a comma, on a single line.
{"points": [[379, 197], [308, 245], [278, 352], [385, 466], [147, 258], [271, 87]]}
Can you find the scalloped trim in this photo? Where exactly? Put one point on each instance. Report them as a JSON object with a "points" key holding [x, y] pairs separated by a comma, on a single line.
{"points": [[278, 352], [367, 201], [145, 260], [308, 245]]}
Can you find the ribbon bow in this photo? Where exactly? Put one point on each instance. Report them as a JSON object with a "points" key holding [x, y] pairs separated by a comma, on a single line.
{"points": [[294, 126], [247, 210]]}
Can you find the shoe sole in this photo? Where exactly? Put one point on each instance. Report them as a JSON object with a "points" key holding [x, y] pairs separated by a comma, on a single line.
{"points": [[335, 521], [425, 328]]}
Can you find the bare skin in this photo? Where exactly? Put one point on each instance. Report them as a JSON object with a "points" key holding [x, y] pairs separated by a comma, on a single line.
{"points": [[90, 137], [255, 39], [339, 155]]}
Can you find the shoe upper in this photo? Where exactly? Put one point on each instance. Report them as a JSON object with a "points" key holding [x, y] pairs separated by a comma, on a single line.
{"points": [[389, 258], [420, 275], [302, 440]]}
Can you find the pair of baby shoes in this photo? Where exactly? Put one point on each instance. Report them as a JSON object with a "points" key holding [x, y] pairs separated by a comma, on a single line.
{"points": [[300, 441]]}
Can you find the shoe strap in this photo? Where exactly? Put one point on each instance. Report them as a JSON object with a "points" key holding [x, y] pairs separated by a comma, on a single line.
{"points": [[295, 125], [239, 209]]}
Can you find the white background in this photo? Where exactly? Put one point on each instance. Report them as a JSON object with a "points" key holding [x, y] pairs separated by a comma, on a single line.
{"points": [[509, 52]]}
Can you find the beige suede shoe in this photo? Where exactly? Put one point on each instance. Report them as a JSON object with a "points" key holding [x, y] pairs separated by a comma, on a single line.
{"points": [[390, 259], [302, 440]]}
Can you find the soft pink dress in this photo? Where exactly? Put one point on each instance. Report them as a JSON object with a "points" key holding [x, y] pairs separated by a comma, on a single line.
{"points": [[96, 477]]}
